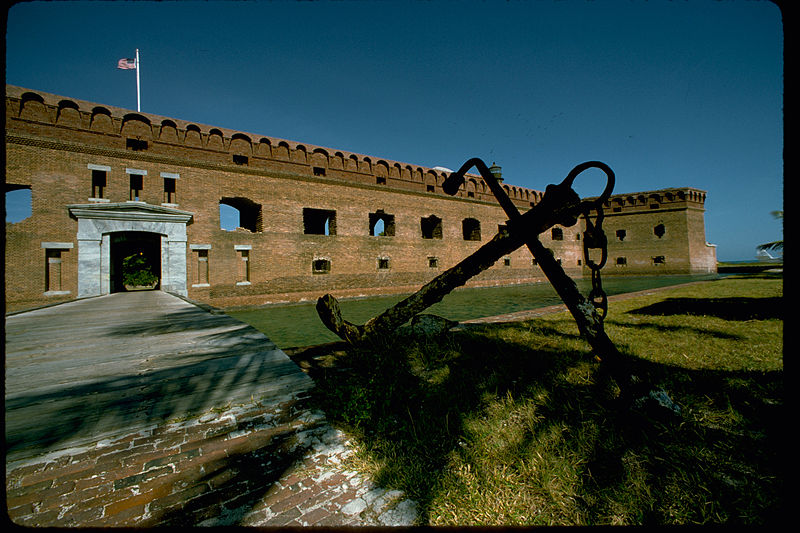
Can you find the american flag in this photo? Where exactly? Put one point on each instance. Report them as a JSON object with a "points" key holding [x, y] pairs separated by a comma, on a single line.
{"points": [[126, 64]]}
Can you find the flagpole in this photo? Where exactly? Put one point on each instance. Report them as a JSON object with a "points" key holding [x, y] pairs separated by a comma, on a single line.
{"points": [[138, 99]]}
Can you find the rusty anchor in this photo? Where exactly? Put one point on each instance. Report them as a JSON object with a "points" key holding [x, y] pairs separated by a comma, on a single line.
{"points": [[559, 205]]}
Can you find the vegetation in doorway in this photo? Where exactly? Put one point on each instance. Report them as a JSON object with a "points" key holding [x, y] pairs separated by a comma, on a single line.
{"points": [[136, 272]]}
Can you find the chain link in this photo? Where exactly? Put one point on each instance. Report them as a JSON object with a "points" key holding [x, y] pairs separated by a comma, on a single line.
{"points": [[595, 238]]}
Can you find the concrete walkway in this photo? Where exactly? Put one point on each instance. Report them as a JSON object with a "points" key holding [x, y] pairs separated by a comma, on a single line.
{"points": [[141, 409]]}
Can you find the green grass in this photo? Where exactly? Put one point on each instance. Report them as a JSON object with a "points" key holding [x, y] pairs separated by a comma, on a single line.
{"points": [[517, 424]]}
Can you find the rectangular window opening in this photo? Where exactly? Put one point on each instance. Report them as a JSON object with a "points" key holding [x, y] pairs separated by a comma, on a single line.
{"points": [[319, 171], [380, 180], [244, 266], [431, 227], [136, 145], [53, 270], [433, 262], [621, 234], [169, 190], [471, 229], [622, 261], [319, 221], [202, 267], [137, 184], [383, 263], [321, 266], [99, 183], [242, 160]]}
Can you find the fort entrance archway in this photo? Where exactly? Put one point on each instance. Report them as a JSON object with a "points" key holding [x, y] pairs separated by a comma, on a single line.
{"points": [[143, 247], [109, 232]]}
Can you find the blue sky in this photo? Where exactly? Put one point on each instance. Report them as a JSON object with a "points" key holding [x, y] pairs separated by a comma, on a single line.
{"points": [[669, 94]]}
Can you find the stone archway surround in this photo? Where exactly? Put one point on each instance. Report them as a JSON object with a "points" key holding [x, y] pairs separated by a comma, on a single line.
{"points": [[96, 223]]}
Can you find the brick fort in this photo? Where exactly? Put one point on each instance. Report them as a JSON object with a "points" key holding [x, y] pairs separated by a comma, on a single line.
{"points": [[106, 183]]}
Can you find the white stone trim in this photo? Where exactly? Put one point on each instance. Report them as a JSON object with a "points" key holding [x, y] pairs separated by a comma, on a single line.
{"points": [[135, 171], [96, 222], [172, 175], [104, 168], [58, 245], [199, 247], [240, 247]]}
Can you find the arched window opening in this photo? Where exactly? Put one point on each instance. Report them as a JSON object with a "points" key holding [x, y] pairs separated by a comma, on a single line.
{"points": [[19, 203], [239, 213], [228, 217], [381, 224]]}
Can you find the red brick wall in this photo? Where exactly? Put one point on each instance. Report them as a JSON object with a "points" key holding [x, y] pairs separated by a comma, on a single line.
{"points": [[49, 144]]}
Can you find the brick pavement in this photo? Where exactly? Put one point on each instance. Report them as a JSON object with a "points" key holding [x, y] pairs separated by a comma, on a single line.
{"points": [[141, 409], [249, 465]]}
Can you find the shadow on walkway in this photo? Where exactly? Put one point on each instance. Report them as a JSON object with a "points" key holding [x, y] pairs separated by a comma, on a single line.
{"points": [[123, 362]]}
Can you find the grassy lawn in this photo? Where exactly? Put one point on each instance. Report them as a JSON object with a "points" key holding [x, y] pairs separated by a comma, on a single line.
{"points": [[517, 424]]}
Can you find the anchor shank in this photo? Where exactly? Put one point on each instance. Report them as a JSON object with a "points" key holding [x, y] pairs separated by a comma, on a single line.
{"points": [[584, 313]]}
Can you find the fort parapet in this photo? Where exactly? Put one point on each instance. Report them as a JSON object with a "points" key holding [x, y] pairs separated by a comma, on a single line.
{"points": [[107, 182]]}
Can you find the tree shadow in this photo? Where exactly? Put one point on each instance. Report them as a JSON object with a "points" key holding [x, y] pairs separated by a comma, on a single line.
{"points": [[225, 362], [733, 308], [222, 363], [222, 491], [412, 401]]}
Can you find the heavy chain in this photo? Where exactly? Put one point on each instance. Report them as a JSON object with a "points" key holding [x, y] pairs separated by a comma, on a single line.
{"points": [[594, 238]]}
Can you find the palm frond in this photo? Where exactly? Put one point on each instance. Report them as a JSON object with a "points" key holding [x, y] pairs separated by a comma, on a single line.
{"points": [[775, 245]]}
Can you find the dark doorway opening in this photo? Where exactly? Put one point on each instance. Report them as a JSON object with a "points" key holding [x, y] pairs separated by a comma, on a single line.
{"points": [[143, 251]]}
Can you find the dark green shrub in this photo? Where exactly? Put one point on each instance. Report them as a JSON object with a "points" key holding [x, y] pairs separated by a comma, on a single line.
{"points": [[136, 271]]}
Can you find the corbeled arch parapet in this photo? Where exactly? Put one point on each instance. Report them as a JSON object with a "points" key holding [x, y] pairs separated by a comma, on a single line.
{"points": [[662, 199], [164, 136]]}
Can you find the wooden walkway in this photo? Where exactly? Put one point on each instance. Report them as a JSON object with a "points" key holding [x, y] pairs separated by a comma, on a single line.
{"points": [[95, 368]]}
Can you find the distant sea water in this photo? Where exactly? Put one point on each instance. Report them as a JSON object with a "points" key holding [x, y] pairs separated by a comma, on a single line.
{"points": [[295, 325]]}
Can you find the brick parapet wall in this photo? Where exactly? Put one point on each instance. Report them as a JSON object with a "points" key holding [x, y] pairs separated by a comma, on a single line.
{"points": [[45, 115]]}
